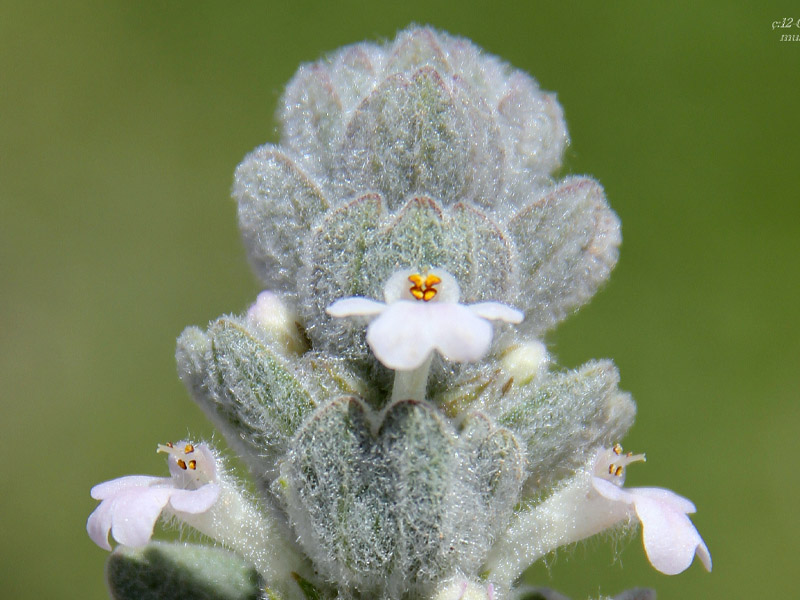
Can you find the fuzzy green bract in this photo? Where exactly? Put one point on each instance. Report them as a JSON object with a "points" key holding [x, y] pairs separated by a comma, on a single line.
{"points": [[422, 155], [181, 572], [349, 460]]}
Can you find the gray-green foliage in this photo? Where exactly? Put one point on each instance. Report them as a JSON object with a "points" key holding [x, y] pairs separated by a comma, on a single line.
{"points": [[567, 242], [359, 246], [378, 499], [429, 154], [162, 571], [437, 136], [276, 201], [419, 154], [562, 417], [250, 392]]}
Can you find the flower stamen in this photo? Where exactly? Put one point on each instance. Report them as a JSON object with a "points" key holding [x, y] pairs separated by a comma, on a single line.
{"points": [[616, 461], [424, 290], [202, 470]]}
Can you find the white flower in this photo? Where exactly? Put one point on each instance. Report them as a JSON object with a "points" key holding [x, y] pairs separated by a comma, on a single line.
{"points": [[463, 589], [591, 502], [670, 539], [525, 361], [421, 315], [278, 321], [131, 505]]}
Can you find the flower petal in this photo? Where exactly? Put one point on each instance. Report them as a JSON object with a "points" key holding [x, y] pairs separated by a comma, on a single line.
{"points": [[407, 332], [401, 337], [195, 501], [457, 332], [612, 492], [704, 555], [670, 539], [495, 311], [99, 524], [679, 503], [110, 488], [209, 462], [397, 287], [449, 291], [355, 306], [134, 514]]}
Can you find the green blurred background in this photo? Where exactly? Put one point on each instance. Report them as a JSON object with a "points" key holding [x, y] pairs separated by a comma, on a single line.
{"points": [[121, 124]]}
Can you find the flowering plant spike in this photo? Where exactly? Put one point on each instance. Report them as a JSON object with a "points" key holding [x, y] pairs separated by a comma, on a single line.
{"points": [[408, 434]]}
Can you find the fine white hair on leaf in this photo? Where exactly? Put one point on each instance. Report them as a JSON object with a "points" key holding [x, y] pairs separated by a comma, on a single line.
{"points": [[562, 417], [348, 461]]}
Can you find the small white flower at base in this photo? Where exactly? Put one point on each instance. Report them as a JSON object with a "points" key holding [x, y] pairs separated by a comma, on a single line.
{"points": [[593, 501], [271, 314], [463, 589], [416, 320], [130, 506], [670, 539], [525, 361]]}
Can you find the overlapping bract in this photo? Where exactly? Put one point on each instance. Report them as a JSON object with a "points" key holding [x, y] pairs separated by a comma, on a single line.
{"points": [[344, 469], [162, 571], [421, 153], [348, 461]]}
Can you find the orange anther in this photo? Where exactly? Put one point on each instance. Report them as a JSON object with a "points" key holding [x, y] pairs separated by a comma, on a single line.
{"points": [[424, 290], [188, 449], [432, 280], [618, 472], [193, 465], [181, 464]]}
